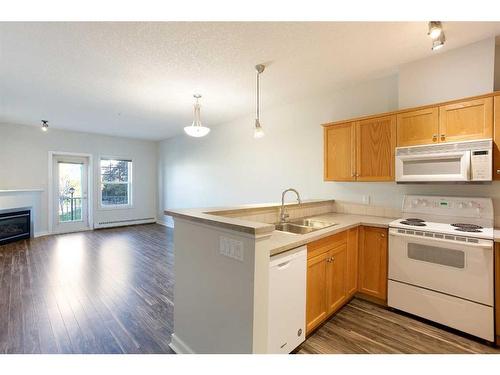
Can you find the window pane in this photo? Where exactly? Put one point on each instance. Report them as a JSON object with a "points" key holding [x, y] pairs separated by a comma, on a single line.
{"points": [[114, 194], [115, 170]]}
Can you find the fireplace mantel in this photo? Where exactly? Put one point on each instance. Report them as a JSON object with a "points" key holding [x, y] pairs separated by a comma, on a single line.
{"points": [[21, 191]]}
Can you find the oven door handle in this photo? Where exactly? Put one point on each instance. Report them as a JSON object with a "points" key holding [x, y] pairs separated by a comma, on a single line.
{"points": [[442, 240]]}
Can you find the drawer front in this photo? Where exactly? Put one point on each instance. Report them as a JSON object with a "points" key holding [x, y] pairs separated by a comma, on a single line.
{"points": [[326, 244]]}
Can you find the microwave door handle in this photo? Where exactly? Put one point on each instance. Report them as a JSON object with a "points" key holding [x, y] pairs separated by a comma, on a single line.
{"points": [[437, 155]]}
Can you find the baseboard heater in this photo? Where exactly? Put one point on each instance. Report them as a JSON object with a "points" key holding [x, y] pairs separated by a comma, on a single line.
{"points": [[117, 223]]}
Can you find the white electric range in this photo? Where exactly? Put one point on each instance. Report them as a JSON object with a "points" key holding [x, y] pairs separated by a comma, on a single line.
{"points": [[441, 262]]}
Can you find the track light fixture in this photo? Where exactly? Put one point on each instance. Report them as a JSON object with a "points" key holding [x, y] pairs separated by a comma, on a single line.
{"points": [[439, 42], [437, 34], [435, 29], [45, 125]]}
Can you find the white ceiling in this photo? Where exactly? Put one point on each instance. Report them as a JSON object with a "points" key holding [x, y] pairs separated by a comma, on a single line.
{"points": [[137, 79]]}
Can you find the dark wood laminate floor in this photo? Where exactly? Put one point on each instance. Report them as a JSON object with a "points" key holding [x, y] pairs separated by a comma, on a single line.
{"points": [[111, 291], [104, 291], [363, 327]]}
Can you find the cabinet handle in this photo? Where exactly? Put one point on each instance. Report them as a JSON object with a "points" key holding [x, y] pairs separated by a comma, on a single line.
{"points": [[498, 171], [382, 235], [443, 136], [434, 137]]}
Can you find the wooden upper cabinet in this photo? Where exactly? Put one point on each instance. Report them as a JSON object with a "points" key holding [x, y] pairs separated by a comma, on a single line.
{"points": [[496, 140], [375, 147], [339, 152], [418, 127], [467, 120], [373, 262]]}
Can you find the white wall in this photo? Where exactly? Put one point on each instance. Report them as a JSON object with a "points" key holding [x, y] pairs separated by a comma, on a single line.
{"points": [[448, 75], [24, 165], [230, 167]]}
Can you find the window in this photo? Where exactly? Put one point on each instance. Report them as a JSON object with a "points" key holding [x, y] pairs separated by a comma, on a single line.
{"points": [[116, 182]]}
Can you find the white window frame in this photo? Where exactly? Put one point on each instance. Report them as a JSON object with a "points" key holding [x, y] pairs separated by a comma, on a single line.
{"points": [[130, 184]]}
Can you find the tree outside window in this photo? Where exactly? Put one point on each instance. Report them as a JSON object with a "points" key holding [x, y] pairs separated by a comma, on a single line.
{"points": [[115, 182]]}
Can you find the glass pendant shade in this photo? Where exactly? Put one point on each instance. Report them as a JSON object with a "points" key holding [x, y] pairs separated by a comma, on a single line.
{"points": [[196, 129], [258, 131]]}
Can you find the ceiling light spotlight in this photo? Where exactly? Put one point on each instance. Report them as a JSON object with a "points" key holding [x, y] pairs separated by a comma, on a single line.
{"points": [[435, 29], [45, 125], [196, 129], [258, 132], [438, 43]]}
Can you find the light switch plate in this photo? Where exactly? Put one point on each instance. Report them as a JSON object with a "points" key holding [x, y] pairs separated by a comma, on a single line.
{"points": [[231, 248]]}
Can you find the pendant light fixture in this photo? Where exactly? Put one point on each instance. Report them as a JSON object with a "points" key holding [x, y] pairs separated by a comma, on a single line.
{"points": [[45, 125], [258, 132], [196, 129]]}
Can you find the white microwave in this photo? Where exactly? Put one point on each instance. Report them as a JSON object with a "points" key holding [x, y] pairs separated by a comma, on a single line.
{"points": [[467, 161]]}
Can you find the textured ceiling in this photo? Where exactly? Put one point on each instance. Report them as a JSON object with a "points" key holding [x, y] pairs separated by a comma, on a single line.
{"points": [[137, 79]]}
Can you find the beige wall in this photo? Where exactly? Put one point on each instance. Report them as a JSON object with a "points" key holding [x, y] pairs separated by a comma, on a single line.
{"points": [[230, 167], [448, 75], [24, 156]]}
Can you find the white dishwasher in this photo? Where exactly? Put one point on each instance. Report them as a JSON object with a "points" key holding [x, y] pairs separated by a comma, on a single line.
{"points": [[287, 300]]}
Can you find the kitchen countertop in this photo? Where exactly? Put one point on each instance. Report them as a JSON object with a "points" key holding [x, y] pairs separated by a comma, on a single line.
{"points": [[280, 242], [208, 216], [275, 241]]}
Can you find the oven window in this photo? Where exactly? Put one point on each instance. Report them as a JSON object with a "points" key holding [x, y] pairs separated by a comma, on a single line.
{"points": [[432, 167], [437, 255]]}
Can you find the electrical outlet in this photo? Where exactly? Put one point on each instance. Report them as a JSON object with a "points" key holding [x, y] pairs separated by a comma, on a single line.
{"points": [[231, 248], [366, 199]]}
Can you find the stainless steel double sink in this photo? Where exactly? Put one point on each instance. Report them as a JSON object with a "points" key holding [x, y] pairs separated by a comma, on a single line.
{"points": [[304, 225]]}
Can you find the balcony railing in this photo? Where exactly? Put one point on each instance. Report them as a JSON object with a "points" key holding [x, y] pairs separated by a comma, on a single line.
{"points": [[70, 209]]}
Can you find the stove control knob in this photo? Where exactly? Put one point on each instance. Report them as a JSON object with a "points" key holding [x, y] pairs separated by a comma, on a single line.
{"points": [[461, 205], [424, 203]]}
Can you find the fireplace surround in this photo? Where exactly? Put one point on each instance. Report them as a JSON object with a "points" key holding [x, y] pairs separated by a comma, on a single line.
{"points": [[15, 224]]}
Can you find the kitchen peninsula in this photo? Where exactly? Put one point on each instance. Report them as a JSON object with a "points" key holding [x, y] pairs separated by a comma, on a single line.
{"points": [[222, 267]]}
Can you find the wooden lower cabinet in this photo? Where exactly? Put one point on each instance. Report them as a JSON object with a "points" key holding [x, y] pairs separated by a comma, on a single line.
{"points": [[326, 278], [373, 254], [352, 262], [336, 272], [332, 275], [316, 305], [497, 291]]}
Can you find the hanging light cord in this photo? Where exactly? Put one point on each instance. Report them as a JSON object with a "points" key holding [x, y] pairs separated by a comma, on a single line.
{"points": [[258, 98]]}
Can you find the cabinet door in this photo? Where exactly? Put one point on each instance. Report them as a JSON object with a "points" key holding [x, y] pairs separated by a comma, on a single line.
{"points": [[418, 127], [496, 139], [376, 143], [336, 281], [352, 262], [339, 152], [472, 119], [316, 304], [373, 262]]}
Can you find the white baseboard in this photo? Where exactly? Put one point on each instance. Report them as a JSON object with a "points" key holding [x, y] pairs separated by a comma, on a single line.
{"points": [[123, 223], [179, 346], [41, 234], [167, 224]]}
